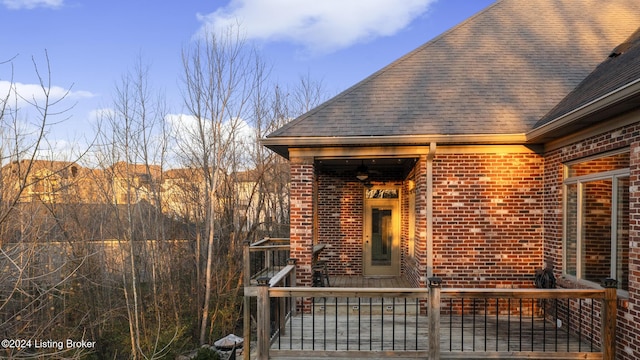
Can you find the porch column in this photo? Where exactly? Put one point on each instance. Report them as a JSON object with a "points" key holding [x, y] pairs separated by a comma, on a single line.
{"points": [[301, 216], [424, 215], [422, 223]]}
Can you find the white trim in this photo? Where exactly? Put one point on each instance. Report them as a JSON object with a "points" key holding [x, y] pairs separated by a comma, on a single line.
{"points": [[598, 176], [598, 156], [579, 229]]}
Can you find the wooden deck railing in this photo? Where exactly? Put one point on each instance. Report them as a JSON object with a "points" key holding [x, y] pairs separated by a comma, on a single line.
{"points": [[536, 323], [264, 258], [434, 323]]}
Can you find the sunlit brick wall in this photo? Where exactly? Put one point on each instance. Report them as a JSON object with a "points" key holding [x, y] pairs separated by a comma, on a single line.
{"points": [[414, 267], [487, 226]]}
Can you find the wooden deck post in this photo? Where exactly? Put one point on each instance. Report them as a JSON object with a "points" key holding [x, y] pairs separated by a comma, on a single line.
{"points": [[263, 319], [434, 317], [609, 313], [246, 317], [246, 257], [293, 301]]}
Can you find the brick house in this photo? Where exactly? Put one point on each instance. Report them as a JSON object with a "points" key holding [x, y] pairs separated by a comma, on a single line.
{"points": [[509, 143]]}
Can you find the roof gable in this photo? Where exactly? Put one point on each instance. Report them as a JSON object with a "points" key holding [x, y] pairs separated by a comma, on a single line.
{"points": [[498, 72]]}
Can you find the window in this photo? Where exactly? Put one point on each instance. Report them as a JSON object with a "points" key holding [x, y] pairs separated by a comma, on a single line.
{"points": [[382, 194], [596, 222]]}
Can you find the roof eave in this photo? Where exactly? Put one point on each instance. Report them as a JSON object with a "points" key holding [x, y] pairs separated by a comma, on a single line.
{"points": [[281, 145], [607, 106]]}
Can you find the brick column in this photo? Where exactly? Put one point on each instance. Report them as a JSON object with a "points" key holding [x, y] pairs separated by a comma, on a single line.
{"points": [[632, 343], [301, 217], [421, 251]]}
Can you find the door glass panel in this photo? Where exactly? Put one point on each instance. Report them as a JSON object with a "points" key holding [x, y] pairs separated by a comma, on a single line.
{"points": [[596, 230], [381, 237]]}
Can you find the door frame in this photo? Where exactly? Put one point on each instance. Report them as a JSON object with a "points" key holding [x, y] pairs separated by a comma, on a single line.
{"points": [[392, 270]]}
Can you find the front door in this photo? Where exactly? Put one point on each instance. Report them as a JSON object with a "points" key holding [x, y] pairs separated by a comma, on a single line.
{"points": [[381, 248]]}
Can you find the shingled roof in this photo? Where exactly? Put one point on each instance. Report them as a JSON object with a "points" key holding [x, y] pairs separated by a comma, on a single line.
{"points": [[498, 72], [618, 72]]}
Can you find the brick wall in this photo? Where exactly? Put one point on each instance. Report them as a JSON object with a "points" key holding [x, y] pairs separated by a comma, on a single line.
{"points": [[301, 217], [487, 226], [415, 268], [629, 318], [340, 210], [628, 343]]}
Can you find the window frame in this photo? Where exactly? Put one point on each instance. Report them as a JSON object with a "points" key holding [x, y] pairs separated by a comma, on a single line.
{"points": [[579, 182]]}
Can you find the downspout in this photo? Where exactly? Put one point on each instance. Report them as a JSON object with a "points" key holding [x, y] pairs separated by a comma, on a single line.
{"points": [[430, 156]]}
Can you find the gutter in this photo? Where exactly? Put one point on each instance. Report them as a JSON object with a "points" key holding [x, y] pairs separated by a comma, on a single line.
{"points": [[607, 100], [308, 141]]}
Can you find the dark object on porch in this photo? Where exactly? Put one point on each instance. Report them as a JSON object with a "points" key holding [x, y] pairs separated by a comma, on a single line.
{"points": [[545, 278], [320, 274]]}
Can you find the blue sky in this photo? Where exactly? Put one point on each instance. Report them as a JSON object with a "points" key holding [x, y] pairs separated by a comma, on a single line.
{"points": [[91, 44]]}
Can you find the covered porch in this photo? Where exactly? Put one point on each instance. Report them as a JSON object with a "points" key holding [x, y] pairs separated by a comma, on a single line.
{"points": [[360, 204]]}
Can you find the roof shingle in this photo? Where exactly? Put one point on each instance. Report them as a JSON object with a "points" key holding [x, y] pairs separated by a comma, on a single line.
{"points": [[498, 72], [621, 68]]}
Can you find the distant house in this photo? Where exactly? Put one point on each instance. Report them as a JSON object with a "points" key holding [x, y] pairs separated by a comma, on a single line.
{"points": [[41, 180], [507, 144], [132, 183]]}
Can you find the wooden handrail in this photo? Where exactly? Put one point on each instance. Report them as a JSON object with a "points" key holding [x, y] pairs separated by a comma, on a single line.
{"points": [[269, 240], [449, 293], [268, 247], [445, 293], [281, 275], [403, 293]]}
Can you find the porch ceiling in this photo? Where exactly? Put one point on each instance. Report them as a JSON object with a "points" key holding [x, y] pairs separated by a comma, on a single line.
{"points": [[388, 168]]}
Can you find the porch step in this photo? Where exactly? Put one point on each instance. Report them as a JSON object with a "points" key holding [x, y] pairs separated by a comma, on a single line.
{"points": [[367, 307]]}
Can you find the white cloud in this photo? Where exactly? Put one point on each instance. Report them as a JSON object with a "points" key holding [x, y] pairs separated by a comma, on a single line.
{"points": [[319, 26], [31, 4], [186, 128], [28, 94], [96, 115]]}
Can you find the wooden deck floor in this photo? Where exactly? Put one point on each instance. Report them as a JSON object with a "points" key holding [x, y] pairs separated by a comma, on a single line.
{"points": [[398, 330]]}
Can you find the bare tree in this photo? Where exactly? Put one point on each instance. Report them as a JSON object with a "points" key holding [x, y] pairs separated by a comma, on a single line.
{"points": [[279, 106], [133, 147], [38, 270], [220, 76]]}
